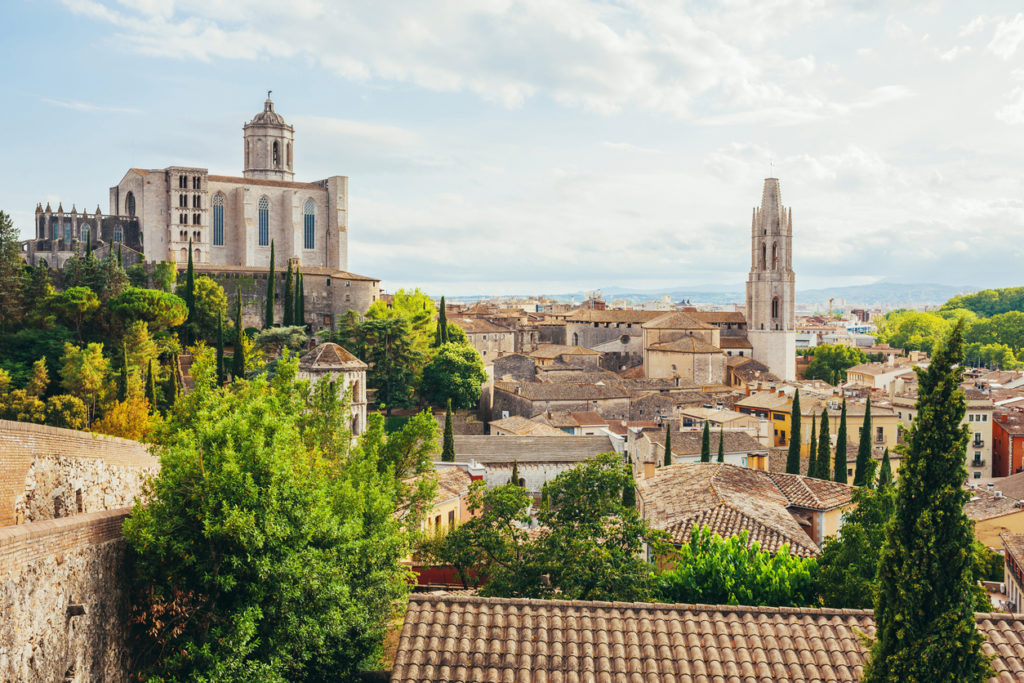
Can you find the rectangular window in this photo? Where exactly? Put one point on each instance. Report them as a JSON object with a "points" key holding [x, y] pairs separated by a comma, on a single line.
{"points": [[984, 418], [451, 518], [218, 224], [309, 231]]}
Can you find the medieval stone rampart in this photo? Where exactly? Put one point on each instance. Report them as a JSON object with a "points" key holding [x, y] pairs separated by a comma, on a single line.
{"points": [[64, 598], [46, 472]]}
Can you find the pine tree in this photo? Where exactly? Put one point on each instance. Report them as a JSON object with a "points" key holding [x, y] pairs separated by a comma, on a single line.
{"points": [[705, 444], [812, 451], [122, 384], [668, 446], [885, 474], [721, 444], [289, 298], [268, 314], [221, 370], [860, 474], [238, 359], [151, 386], [514, 479], [840, 469], [924, 607], [793, 458], [448, 450], [824, 462]]}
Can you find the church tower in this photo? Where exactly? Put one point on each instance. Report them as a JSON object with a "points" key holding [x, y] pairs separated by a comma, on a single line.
{"points": [[268, 145], [771, 286]]}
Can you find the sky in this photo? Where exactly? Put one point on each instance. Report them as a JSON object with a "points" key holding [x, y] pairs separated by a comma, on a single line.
{"points": [[498, 147]]}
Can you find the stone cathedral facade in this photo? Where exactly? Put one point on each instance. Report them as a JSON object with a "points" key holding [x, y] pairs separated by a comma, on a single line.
{"points": [[771, 285], [230, 222]]}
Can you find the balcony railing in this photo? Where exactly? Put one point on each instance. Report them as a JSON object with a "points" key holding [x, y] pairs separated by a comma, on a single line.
{"points": [[977, 443], [978, 462]]}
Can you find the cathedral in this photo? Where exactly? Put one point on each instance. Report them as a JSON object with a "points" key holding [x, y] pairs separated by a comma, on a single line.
{"points": [[231, 223]]}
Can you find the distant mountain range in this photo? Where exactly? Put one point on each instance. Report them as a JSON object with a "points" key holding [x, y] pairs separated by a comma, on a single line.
{"points": [[874, 295]]}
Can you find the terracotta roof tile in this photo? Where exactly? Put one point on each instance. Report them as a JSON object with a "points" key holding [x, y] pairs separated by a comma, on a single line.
{"points": [[523, 449], [468, 638], [587, 315], [685, 345], [521, 426], [676, 321], [330, 356]]}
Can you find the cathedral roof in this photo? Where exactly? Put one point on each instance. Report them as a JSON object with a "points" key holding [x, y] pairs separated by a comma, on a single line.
{"points": [[268, 117], [263, 181]]}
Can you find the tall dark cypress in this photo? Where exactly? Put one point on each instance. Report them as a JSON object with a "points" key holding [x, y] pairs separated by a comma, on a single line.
{"points": [[442, 322], [860, 474], [448, 450], [793, 457], [122, 384], [668, 446], [221, 370], [705, 444], [885, 474], [840, 470], [824, 462], [88, 246], [268, 313], [924, 605], [151, 386], [190, 296], [721, 444], [171, 386], [812, 451], [514, 479], [289, 298], [120, 261], [300, 300], [238, 359]]}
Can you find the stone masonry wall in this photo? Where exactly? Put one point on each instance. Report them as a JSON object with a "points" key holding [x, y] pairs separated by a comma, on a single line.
{"points": [[64, 600], [46, 472]]}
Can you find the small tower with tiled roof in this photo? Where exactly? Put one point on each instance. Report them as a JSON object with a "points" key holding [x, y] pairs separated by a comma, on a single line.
{"points": [[268, 145], [333, 363]]}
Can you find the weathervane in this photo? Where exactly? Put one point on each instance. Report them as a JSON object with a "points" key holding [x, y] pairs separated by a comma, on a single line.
{"points": [[268, 93]]}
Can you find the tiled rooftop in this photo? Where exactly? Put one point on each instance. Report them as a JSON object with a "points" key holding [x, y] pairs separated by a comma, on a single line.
{"points": [[466, 638], [522, 449], [330, 356], [685, 345], [544, 391], [676, 321], [521, 426]]}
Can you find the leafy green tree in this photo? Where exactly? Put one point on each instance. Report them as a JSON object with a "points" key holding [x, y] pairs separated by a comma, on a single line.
{"points": [[69, 412], [271, 342], [391, 353], [668, 446], [721, 444], [912, 330], [12, 305], [282, 556], [238, 353], [989, 302], [996, 356], [841, 439], [268, 313], [84, 373], [164, 275], [208, 303], [848, 565], [628, 494], [705, 444], [831, 361], [418, 310], [75, 306], [448, 450], [716, 571], [824, 460], [793, 456], [455, 372], [122, 382], [222, 372], [860, 474], [159, 310], [925, 627], [289, 298], [38, 380]]}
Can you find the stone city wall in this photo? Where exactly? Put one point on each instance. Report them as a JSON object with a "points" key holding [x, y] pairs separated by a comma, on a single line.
{"points": [[46, 472], [64, 598]]}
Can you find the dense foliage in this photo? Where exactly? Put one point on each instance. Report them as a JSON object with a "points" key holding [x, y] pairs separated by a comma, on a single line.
{"points": [[455, 373], [716, 571], [831, 361], [269, 549]]}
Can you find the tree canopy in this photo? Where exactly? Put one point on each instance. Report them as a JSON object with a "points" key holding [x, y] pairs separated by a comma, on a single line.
{"points": [[831, 361], [455, 373]]}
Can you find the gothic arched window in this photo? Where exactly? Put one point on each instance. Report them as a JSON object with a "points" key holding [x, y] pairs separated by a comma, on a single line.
{"points": [[118, 233], [85, 232], [184, 254], [309, 225], [764, 251], [264, 221], [218, 219], [129, 204], [775, 307], [277, 156], [775, 256]]}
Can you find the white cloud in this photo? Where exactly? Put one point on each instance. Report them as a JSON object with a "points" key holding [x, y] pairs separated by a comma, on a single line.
{"points": [[87, 106], [1008, 36]]}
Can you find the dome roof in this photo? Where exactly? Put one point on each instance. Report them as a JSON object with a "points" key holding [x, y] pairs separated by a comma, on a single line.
{"points": [[268, 116]]}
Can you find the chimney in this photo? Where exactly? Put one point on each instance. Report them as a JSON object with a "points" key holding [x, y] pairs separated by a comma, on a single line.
{"points": [[476, 470], [648, 470]]}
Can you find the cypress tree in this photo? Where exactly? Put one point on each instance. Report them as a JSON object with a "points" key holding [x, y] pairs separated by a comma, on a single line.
{"points": [[238, 359], [793, 458], [841, 438], [190, 296], [88, 246], [122, 385], [151, 386], [221, 370], [824, 461], [812, 453], [299, 314], [668, 446], [721, 444], [120, 261], [629, 494], [448, 450], [171, 387], [268, 314], [515, 473], [924, 606], [442, 323], [860, 474], [705, 444], [885, 474], [289, 298]]}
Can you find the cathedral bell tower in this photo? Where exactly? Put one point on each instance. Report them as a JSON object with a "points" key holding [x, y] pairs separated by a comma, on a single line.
{"points": [[268, 145], [771, 286]]}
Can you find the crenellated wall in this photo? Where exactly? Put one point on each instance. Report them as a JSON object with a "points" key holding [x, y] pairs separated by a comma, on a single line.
{"points": [[64, 605]]}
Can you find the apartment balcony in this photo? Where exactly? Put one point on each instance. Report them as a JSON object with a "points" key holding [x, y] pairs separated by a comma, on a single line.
{"points": [[978, 462], [977, 444]]}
